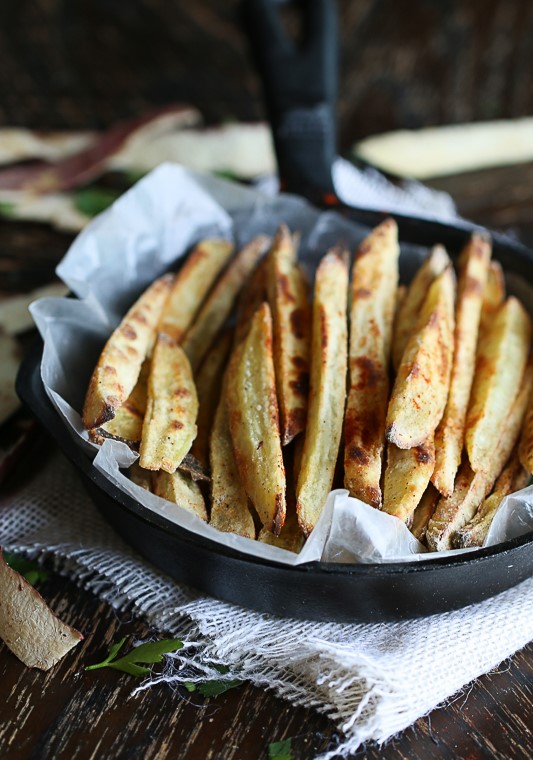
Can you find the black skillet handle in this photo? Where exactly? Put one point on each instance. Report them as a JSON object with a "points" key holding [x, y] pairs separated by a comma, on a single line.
{"points": [[300, 84]]}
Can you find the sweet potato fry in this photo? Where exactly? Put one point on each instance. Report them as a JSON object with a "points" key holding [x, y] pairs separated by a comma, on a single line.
{"points": [[471, 488], [373, 294], [127, 423], [181, 490], [421, 388], [407, 476], [409, 307], [217, 307], [229, 503], [424, 512], [327, 388], [254, 421], [169, 426], [119, 365], [513, 478], [208, 385], [473, 268], [192, 283], [501, 359], [291, 319]]}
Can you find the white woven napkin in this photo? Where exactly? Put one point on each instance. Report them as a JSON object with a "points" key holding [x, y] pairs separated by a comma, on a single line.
{"points": [[371, 680]]}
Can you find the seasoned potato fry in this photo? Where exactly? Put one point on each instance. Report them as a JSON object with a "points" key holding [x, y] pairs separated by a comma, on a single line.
{"points": [[191, 285], [254, 421], [169, 426], [493, 296], [291, 537], [251, 298], [291, 319], [208, 385], [373, 294], [120, 362], [410, 306], [421, 388], [424, 512], [127, 423], [229, 503], [501, 359], [181, 490], [471, 488], [140, 477], [327, 389], [526, 439], [407, 476], [473, 267], [217, 307], [513, 478]]}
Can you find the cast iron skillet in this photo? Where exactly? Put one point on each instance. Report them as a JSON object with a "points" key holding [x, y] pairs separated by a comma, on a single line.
{"points": [[314, 591], [300, 88]]}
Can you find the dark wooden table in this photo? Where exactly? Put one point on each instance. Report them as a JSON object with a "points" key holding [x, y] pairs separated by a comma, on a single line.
{"points": [[68, 713]]}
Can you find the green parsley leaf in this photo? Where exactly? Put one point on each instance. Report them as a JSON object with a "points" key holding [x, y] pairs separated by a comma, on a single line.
{"points": [[190, 686], [26, 567], [92, 200], [280, 750], [214, 688], [226, 174], [148, 653]]}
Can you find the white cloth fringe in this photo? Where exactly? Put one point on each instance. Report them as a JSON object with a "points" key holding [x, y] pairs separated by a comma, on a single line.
{"points": [[371, 680]]}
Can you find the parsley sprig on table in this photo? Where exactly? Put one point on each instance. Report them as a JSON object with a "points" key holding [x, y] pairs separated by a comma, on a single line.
{"points": [[280, 750], [26, 567], [147, 654]]}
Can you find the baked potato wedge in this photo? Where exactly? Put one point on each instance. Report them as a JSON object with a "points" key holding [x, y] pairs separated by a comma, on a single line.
{"points": [[119, 365], [230, 512], [424, 512], [327, 394], [219, 303], [409, 307], [493, 296], [169, 426], [127, 424], [254, 421], [449, 438], [181, 490], [407, 475], [291, 318], [501, 359], [373, 296], [421, 388], [251, 298], [192, 283]]}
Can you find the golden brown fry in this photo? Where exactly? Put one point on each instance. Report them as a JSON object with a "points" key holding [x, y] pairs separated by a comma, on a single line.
{"points": [[291, 318], [526, 439], [120, 362], [192, 283], [219, 303], [251, 298], [373, 291], [407, 476], [493, 296], [169, 426], [409, 308], [501, 359], [327, 389], [421, 388], [181, 490], [254, 421], [127, 424], [473, 267], [424, 512], [229, 503], [208, 385], [291, 537], [513, 478], [471, 488]]}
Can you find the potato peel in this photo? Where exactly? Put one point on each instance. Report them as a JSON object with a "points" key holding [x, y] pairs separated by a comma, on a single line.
{"points": [[28, 626]]}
